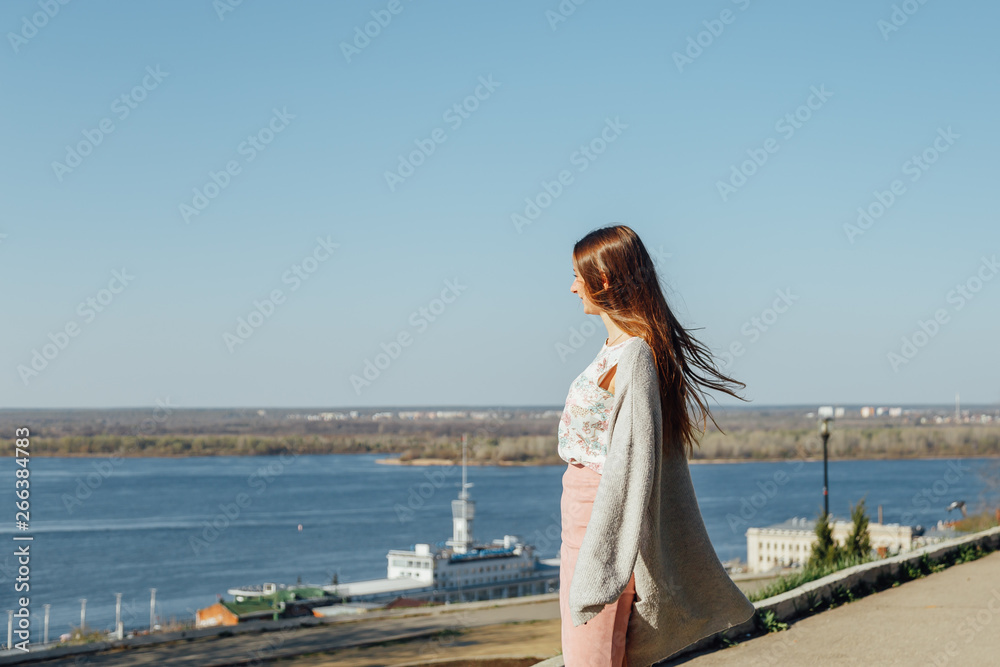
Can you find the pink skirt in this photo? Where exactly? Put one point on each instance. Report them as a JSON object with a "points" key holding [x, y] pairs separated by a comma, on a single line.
{"points": [[600, 642]]}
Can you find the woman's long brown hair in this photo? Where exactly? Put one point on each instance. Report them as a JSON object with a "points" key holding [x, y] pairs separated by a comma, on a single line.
{"points": [[635, 302]]}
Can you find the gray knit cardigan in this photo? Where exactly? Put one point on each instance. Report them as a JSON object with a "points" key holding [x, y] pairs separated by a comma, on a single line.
{"points": [[645, 519]]}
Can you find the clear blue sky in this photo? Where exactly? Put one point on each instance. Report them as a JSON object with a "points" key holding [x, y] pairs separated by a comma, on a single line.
{"points": [[329, 121]]}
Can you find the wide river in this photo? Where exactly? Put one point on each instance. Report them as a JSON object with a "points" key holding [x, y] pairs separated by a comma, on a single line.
{"points": [[194, 527]]}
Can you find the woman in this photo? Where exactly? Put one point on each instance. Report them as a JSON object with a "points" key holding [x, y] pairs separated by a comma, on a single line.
{"points": [[639, 578]]}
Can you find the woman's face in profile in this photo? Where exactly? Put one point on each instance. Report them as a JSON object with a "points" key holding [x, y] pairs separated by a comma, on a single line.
{"points": [[578, 288]]}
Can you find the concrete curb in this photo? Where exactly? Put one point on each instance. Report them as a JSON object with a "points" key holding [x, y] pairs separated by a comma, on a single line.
{"points": [[796, 602]]}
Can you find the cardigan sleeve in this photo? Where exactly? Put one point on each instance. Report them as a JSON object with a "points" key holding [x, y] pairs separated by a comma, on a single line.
{"points": [[607, 555]]}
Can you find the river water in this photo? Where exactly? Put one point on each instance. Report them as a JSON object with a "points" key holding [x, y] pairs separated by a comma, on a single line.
{"points": [[194, 527]]}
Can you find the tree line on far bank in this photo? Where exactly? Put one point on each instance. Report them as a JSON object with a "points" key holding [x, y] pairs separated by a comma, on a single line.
{"points": [[745, 444]]}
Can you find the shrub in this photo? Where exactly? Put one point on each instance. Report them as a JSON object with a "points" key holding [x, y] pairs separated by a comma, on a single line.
{"points": [[858, 542], [825, 551]]}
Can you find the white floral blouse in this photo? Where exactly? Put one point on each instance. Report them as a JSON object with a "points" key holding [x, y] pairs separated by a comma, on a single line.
{"points": [[583, 436]]}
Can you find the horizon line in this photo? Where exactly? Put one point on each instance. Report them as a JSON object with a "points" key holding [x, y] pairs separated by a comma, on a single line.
{"points": [[425, 407]]}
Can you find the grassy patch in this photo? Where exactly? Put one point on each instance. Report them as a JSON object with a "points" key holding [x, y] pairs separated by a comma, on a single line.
{"points": [[788, 582], [977, 522]]}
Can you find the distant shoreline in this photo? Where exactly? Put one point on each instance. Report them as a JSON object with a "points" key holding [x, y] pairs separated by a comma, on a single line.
{"points": [[448, 462], [437, 462]]}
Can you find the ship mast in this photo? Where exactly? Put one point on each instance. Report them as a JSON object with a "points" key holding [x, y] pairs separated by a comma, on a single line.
{"points": [[463, 511]]}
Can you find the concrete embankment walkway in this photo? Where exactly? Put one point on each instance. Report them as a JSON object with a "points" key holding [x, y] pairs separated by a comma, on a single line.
{"points": [[286, 639], [950, 617]]}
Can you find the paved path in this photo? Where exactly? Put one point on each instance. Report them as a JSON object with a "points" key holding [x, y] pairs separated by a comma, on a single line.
{"points": [[950, 617]]}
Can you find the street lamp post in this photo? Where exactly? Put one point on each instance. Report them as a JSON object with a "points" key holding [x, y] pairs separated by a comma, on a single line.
{"points": [[824, 432]]}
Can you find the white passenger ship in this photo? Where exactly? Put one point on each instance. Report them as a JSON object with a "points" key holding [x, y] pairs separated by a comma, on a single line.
{"points": [[457, 570]]}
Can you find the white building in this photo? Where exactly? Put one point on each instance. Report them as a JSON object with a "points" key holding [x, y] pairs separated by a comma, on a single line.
{"points": [[789, 544]]}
